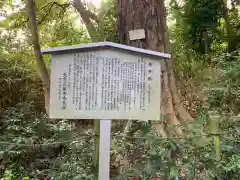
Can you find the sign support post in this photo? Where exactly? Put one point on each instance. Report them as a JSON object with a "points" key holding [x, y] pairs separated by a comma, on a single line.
{"points": [[96, 145], [104, 150], [216, 137]]}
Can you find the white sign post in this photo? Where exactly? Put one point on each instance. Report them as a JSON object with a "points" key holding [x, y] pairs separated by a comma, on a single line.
{"points": [[104, 151], [105, 81]]}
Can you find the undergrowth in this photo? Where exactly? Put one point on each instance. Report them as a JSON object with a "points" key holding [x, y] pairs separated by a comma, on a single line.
{"points": [[33, 148]]}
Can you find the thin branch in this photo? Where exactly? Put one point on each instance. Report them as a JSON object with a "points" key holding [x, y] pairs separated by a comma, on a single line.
{"points": [[20, 24], [52, 4], [49, 6], [46, 14], [60, 15], [65, 5]]}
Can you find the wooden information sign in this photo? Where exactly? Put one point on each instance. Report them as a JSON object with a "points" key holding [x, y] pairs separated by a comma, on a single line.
{"points": [[105, 80]]}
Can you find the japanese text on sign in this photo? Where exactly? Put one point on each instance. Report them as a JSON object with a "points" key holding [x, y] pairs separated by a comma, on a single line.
{"points": [[105, 84]]}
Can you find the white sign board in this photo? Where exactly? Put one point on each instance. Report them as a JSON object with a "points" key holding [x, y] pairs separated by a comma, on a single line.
{"points": [[105, 80], [137, 34], [105, 84]]}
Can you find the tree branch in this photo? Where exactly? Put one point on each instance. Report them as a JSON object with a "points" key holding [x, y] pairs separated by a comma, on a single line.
{"points": [[92, 15], [20, 24], [86, 17], [52, 4], [65, 5], [49, 6], [46, 14]]}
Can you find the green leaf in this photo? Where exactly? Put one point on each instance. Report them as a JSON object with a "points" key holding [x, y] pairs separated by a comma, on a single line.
{"points": [[174, 171]]}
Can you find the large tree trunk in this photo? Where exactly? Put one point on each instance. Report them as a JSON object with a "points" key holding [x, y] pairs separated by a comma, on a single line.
{"points": [[150, 15]]}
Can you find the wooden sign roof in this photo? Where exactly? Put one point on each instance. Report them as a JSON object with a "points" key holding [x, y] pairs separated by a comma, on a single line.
{"points": [[104, 45]]}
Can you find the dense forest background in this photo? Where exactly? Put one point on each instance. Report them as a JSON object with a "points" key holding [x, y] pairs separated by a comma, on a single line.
{"points": [[205, 45]]}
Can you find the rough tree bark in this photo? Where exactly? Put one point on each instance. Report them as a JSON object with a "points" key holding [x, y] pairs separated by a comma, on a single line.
{"points": [[150, 15], [42, 70]]}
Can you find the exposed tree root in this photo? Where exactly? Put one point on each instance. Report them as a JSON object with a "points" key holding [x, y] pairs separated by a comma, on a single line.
{"points": [[170, 118], [180, 111]]}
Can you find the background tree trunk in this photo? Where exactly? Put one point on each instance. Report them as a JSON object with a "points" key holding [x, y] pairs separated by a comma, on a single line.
{"points": [[150, 15], [206, 43], [230, 34], [86, 17]]}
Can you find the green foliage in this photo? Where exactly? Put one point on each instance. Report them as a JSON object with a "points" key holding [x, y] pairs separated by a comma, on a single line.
{"points": [[29, 147], [201, 17], [14, 174], [204, 14], [15, 74], [225, 92], [62, 34], [193, 153], [233, 27], [106, 28]]}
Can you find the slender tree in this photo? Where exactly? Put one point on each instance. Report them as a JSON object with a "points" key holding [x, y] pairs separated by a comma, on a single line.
{"points": [[42, 70]]}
